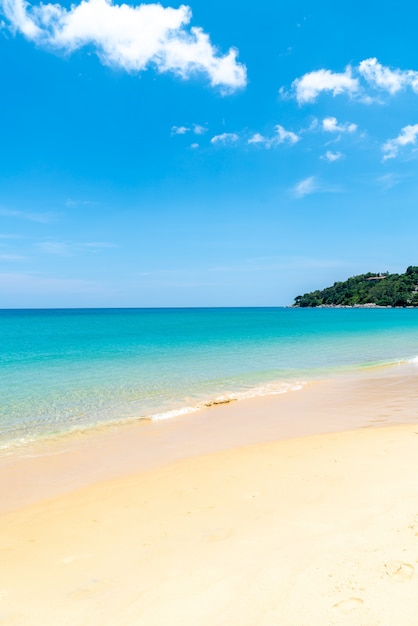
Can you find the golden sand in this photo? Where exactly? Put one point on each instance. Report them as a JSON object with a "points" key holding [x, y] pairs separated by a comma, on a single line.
{"points": [[240, 516]]}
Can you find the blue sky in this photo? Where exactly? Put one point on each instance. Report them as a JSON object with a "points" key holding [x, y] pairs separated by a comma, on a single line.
{"points": [[210, 154]]}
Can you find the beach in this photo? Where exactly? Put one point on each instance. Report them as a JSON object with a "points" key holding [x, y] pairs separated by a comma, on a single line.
{"points": [[208, 314], [300, 509]]}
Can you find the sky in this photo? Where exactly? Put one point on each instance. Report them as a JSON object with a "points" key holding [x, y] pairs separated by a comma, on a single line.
{"points": [[209, 154]]}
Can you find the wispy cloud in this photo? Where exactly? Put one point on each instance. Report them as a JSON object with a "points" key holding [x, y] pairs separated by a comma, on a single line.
{"points": [[31, 283], [12, 257], [312, 184], [353, 81], [97, 245], [55, 247], [196, 129], [285, 135], [306, 186], [60, 248], [179, 130], [245, 266], [70, 202], [332, 156], [331, 125], [225, 138], [281, 136], [388, 181], [408, 135], [129, 37], [42, 218]]}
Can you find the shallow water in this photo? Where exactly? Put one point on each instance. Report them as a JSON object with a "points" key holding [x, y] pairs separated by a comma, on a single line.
{"points": [[64, 370]]}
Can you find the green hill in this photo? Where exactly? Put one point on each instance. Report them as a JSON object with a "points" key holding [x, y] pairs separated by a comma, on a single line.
{"points": [[377, 289]]}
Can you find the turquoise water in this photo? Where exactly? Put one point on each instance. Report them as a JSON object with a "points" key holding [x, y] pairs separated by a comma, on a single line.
{"points": [[63, 370]]}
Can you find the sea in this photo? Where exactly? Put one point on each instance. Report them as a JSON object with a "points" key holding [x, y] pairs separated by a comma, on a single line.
{"points": [[66, 370]]}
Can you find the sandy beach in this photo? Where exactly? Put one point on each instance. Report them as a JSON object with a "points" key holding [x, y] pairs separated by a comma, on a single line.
{"points": [[298, 509]]}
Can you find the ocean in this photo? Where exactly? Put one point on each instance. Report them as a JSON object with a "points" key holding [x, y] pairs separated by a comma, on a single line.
{"points": [[74, 369]]}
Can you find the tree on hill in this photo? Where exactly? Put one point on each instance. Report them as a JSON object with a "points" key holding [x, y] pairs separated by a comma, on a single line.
{"points": [[386, 289]]}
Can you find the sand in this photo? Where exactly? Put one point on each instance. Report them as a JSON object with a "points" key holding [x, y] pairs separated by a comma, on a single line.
{"points": [[272, 524]]}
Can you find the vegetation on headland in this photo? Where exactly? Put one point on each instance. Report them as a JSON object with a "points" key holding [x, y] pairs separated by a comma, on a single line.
{"points": [[386, 290]]}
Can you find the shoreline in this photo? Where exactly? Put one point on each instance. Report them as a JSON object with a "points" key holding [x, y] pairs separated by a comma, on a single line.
{"points": [[103, 371], [297, 509], [268, 388], [370, 397]]}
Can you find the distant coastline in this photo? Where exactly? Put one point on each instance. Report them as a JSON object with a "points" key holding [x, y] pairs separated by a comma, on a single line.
{"points": [[371, 290], [370, 305]]}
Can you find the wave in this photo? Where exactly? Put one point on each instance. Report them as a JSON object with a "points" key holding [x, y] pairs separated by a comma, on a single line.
{"points": [[9, 446], [278, 387], [268, 389]]}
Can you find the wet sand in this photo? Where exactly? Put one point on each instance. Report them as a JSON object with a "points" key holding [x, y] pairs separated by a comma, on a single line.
{"points": [[299, 509]]}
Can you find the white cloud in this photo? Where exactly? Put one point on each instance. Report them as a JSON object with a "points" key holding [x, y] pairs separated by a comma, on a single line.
{"points": [[225, 138], [354, 81], [306, 186], [196, 129], [332, 156], [129, 37], [194, 146], [199, 130], [257, 138], [179, 130], [285, 135], [281, 136], [408, 135], [331, 125], [387, 79], [16, 12], [308, 87]]}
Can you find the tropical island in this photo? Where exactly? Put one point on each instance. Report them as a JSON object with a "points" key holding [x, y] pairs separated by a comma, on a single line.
{"points": [[367, 290]]}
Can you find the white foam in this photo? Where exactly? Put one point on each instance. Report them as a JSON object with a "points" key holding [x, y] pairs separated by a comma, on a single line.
{"points": [[21, 441], [268, 389], [166, 415], [273, 388]]}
